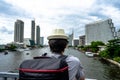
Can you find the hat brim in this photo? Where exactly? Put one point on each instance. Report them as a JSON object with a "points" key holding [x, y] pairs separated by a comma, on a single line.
{"points": [[57, 37]]}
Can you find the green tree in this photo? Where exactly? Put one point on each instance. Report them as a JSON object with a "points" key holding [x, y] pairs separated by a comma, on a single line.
{"points": [[87, 48], [104, 53], [113, 48], [12, 47], [95, 44]]}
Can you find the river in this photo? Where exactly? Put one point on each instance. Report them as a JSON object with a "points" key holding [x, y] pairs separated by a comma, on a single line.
{"points": [[93, 67]]}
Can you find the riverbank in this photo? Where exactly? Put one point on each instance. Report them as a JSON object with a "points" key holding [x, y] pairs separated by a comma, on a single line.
{"points": [[108, 60], [111, 61]]}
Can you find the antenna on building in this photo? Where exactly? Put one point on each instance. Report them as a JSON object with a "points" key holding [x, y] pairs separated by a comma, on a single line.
{"points": [[72, 33]]}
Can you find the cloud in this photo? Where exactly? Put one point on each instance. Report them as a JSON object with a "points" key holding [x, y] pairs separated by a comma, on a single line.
{"points": [[115, 3], [5, 30], [49, 14], [6, 8], [10, 10], [113, 13]]}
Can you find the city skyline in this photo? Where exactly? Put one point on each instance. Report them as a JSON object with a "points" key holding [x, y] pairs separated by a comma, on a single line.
{"points": [[50, 14]]}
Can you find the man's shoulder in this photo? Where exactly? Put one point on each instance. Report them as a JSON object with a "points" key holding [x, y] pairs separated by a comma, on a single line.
{"points": [[74, 59]]}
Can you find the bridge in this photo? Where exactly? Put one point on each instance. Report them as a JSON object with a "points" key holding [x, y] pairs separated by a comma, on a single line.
{"points": [[6, 75], [15, 76]]}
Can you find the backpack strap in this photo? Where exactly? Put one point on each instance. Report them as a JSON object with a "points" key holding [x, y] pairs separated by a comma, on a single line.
{"points": [[63, 60], [63, 64], [63, 57]]}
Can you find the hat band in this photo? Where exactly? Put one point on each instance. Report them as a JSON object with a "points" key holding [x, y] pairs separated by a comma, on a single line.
{"points": [[58, 37]]}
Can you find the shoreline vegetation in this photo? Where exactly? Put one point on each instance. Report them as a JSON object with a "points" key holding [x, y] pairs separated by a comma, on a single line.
{"points": [[112, 61], [105, 59], [109, 52], [12, 47]]}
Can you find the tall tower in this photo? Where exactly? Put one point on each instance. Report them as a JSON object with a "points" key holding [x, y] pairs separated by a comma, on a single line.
{"points": [[38, 35], [19, 31], [33, 30], [71, 36]]}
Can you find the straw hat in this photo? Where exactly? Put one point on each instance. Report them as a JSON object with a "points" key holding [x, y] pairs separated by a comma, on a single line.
{"points": [[58, 34]]}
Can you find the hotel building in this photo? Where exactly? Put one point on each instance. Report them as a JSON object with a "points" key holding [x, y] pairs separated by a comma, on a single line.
{"points": [[100, 31], [19, 31]]}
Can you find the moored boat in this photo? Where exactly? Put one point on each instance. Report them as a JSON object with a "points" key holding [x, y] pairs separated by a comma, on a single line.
{"points": [[90, 54]]}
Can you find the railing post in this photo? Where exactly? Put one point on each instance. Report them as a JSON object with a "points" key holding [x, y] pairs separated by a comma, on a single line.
{"points": [[6, 75], [15, 78], [4, 78]]}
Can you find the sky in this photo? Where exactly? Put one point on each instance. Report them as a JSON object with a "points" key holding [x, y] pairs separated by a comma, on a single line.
{"points": [[70, 15]]}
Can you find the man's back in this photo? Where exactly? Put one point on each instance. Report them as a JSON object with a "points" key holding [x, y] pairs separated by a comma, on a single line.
{"points": [[58, 41], [75, 67]]}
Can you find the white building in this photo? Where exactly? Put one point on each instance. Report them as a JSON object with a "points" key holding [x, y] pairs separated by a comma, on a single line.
{"points": [[118, 33], [41, 41], [27, 41], [70, 39], [100, 31], [76, 42], [82, 40]]}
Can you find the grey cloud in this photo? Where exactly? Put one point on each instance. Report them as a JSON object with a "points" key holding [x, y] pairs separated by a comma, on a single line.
{"points": [[115, 3], [5, 30], [10, 10]]}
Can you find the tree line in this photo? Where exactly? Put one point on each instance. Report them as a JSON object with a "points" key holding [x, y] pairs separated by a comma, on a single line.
{"points": [[111, 50]]}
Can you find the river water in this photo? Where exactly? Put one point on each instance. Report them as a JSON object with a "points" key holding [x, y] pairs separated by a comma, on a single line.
{"points": [[93, 67]]}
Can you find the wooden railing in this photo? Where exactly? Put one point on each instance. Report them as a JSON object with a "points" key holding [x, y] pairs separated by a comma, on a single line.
{"points": [[6, 75]]}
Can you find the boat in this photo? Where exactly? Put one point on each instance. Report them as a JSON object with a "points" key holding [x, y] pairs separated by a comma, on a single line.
{"points": [[22, 49], [6, 52], [90, 54], [90, 79]]}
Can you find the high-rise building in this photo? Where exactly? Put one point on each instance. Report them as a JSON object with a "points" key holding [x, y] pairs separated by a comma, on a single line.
{"points": [[33, 30], [70, 39], [38, 35], [118, 33], [100, 31], [76, 42], [19, 31], [41, 41], [82, 40]]}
